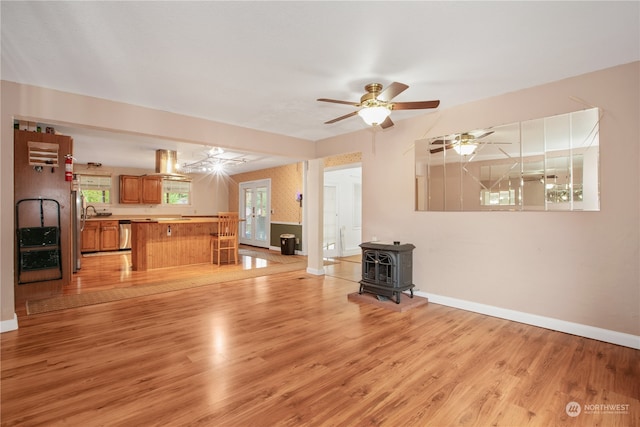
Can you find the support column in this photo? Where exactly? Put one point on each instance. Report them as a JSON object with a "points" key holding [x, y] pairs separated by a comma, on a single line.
{"points": [[314, 199]]}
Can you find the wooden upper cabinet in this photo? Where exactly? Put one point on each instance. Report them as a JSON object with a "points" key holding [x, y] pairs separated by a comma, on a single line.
{"points": [[129, 189], [140, 189], [151, 190]]}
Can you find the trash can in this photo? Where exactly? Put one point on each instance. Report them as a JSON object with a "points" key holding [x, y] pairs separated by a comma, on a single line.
{"points": [[288, 244]]}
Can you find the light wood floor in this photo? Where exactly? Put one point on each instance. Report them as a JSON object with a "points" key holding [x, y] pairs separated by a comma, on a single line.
{"points": [[291, 350]]}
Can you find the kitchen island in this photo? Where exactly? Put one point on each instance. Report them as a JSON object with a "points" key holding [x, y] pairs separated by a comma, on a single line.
{"points": [[171, 242]]}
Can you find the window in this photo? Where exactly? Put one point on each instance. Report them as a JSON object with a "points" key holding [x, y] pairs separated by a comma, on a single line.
{"points": [[96, 189], [176, 192]]}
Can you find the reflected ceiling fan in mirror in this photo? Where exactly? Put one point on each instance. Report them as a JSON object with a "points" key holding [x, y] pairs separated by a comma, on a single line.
{"points": [[377, 106], [463, 143]]}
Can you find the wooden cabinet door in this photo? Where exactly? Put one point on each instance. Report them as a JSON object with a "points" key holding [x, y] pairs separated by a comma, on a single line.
{"points": [[109, 235], [91, 237], [129, 189], [151, 190]]}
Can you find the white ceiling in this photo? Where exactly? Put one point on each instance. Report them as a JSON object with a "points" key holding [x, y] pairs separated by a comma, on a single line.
{"points": [[263, 64]]}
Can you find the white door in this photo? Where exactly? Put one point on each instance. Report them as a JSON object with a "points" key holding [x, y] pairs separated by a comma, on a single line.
{"points": [[255, 208], [330, 235], [342, 230]]}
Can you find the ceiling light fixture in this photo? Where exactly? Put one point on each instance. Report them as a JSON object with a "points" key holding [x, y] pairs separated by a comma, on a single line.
{"points": [[211, 163], [465, 149], [374, 115]]}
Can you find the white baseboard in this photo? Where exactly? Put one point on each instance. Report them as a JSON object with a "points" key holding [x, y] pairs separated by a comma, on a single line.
{"points": [[586, 331], [279, 249], [319, 272], [9, 325]]}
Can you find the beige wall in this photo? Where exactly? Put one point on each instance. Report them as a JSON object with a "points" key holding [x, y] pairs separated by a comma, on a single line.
{"points": [[580, 267]]}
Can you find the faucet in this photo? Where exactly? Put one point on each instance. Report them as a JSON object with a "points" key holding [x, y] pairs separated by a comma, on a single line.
{"points": [[86, 211]]}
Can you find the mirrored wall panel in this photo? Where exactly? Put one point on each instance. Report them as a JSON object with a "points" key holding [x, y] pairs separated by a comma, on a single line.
{"points": [[547, 164]]}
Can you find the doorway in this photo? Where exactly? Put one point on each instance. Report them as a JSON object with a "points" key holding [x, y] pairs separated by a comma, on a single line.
{"points": [[342, 213], [255, 211]]}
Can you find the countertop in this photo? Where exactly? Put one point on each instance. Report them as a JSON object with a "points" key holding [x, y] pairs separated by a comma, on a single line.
{"points": [[155, 218]]}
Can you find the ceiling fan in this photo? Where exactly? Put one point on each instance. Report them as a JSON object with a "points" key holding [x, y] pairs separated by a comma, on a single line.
{"points": [[463, 143], [377, 106]]}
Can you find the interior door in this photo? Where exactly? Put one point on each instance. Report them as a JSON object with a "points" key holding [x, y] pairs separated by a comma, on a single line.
{"points": [[255, 209], [342, 230], [330, 235]]}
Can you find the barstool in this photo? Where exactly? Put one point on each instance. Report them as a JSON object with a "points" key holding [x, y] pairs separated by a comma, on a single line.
{"points": [[226, 238]]}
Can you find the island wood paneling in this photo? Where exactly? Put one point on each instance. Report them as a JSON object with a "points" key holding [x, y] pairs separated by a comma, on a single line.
{"points": [[152, 247]]}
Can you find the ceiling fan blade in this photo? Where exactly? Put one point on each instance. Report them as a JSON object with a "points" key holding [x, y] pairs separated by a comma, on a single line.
{"points": [[439, 141], [387, 123], [417, 105], [439, 149], [346, 116], [484, 134], [336, 101], [393, 90]]}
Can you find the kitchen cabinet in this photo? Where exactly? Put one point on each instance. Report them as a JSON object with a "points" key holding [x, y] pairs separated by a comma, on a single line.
{"points": [[151, 191], [140, 189], [100, 236], [109, 235], [90, 237], [129, 189]]}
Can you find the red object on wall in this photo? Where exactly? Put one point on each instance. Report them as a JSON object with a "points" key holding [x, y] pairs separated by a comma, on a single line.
{"points": [[68, 168]]}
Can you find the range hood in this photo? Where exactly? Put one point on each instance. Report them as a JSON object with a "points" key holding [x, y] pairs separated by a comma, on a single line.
{"points": [[167, 165]]}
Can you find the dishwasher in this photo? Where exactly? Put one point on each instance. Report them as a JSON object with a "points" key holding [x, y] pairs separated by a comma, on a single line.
{"points": [[125, 234]]}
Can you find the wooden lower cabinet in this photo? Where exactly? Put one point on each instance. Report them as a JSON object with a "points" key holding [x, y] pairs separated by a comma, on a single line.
{"points": [[91, 237], [100, 236], [109, 235]]}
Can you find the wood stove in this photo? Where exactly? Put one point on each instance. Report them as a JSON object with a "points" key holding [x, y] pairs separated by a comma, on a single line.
{"points": [[387, 269]]}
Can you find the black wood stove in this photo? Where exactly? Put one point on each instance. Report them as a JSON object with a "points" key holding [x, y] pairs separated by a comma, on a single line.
{"points": [[387, 269]]}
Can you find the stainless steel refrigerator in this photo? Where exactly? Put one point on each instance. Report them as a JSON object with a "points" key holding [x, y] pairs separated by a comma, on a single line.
{"points": [[78, 203]]}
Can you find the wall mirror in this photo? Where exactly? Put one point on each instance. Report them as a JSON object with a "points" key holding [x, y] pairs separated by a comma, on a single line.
{"points": [[546, 164]]}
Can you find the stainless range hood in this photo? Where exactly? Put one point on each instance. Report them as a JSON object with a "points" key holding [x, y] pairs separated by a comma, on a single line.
{"points": [[167, 165]]}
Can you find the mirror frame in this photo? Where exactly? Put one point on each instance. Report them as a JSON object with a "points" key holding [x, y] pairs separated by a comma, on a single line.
{"points": [[546, 164]]}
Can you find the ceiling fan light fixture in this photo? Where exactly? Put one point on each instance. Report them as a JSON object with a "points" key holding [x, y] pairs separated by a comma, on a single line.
{"points": [[465, 149], [374, 115]]}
